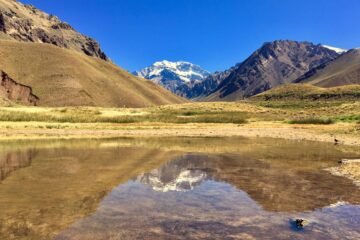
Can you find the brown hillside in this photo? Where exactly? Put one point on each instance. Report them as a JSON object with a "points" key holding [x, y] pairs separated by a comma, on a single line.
{"points": [[61, 77], [344, 70]]}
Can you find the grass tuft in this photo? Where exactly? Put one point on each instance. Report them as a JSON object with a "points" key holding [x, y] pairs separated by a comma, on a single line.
{"points": [[320, 121]]}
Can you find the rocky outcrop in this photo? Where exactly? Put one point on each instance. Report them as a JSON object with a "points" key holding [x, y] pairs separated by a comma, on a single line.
{"points": [[28, 24], [16, 92]]}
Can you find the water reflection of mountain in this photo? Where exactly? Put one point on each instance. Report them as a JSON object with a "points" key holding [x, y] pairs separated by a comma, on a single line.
{"points": [[279, 184], [181, 175], [247, 198], [12, 161]]}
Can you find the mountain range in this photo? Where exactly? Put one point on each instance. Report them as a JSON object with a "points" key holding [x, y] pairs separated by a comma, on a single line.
{"points": [[45, 61], [273, 64]]}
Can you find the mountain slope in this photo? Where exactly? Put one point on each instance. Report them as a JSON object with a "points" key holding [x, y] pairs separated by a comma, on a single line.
{"points": [[28, 24], [61, 77], [178, 77], [344, 70], [309, 92], [210, 83], [275, 63]]}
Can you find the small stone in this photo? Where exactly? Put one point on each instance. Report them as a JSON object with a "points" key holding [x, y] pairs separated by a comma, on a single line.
{"points": [[301, 223]]}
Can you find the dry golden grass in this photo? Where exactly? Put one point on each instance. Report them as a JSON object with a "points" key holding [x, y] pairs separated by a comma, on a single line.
{"points": [[224, 119], [62, 77], [212, 112]]}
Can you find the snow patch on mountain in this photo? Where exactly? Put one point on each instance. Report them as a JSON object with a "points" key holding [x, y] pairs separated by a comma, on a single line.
{"points": [[338, 50]]}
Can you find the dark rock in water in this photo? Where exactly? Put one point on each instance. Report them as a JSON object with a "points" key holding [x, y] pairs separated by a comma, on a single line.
{"points": [[301, 223]]}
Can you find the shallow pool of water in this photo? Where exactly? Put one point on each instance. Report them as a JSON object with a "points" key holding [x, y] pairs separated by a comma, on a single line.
{"points": [[192, 188]]}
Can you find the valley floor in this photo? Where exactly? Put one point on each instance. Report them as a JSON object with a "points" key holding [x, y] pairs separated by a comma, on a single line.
{"points": [[295, 120], [289, 120]]}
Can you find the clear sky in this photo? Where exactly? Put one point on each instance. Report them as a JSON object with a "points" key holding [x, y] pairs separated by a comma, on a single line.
{"points": [[214, 34]]}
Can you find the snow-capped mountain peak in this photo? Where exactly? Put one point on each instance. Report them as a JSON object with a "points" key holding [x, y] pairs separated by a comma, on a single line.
{"points": [[167, 71], [178, 77], [337, 50]]}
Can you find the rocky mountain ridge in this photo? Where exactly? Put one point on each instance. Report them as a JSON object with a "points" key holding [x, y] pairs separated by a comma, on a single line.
{"points": [[275, 63], [344, 70], [26, 23]]}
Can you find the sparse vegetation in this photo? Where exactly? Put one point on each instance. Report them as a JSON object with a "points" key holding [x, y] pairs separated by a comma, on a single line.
{"points": [[257, 118], [350, 118], [86, 115]]}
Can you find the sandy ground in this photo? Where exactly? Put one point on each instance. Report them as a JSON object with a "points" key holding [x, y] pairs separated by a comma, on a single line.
{"points": [[349, 170]]}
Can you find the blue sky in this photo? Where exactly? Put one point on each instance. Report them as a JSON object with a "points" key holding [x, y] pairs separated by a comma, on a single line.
{"points": [[214, 34]]}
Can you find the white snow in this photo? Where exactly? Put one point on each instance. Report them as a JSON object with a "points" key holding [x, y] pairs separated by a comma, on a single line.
{"points": [[338, 50], [190, 75]]}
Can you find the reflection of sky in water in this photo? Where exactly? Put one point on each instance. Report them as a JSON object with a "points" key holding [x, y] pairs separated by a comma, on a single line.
{"points": [[189, 200]]}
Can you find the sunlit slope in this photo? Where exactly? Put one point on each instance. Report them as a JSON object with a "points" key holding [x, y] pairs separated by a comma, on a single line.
{"points": [[345, 70], [310, 92], [61, 77]]}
